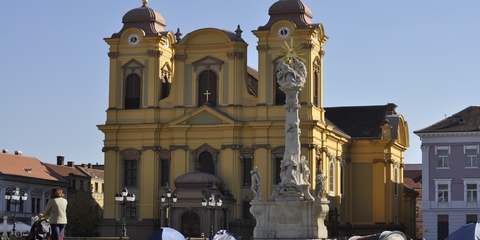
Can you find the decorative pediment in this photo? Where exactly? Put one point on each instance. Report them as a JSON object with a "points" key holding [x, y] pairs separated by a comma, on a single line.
{"points": [[207, 61], [133, 66], [204, 115]]}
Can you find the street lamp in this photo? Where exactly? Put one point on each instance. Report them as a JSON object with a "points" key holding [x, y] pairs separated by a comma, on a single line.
{"points": [[168, 201], [123, 198], [15, 198], [212, 204]]}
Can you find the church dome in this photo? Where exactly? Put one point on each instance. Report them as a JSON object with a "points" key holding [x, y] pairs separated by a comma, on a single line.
{"points": [[145, 18], [290, 7], [197, 179], [294, 10]]}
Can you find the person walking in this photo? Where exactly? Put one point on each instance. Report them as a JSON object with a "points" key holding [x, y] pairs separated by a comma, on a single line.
{"points": [[56, 209]]}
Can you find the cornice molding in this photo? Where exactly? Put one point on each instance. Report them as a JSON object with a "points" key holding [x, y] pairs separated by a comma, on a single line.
{"points": [[175, 147], [113, 54], [153, 148], [232, 146], [154, 53], [448, 134], [179, 57], [257, 146], [262, 48], [235, 55], [106, 149]]}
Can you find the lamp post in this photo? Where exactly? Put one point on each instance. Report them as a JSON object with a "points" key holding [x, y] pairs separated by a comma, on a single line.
{"points": [[15, 198], [123, 198], [168, 201], [212, 204]]}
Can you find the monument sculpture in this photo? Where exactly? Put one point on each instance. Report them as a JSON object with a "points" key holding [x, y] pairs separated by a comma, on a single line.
{"points": [[291, 211]]}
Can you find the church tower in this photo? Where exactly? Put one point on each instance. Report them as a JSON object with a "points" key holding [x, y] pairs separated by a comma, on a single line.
{"points": [[141, 73], [290, 29]]}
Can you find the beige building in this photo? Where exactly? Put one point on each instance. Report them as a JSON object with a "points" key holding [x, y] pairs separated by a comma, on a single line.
{"points": [[190, 112]]}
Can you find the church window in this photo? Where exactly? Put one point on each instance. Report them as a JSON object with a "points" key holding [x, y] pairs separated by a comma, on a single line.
{"points": [[132, 92], [165, 88], [165, 172], [130, 159], [247, 167], [131, 210], [331, 176], [206, 163], [280, 96], [395, 180], [315, 89], [246, 158], [277, 155], [164, 162], [130, 173], [207, 88]]}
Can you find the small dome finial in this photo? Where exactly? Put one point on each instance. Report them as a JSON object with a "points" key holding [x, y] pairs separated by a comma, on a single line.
{"points": [[144, 2]]}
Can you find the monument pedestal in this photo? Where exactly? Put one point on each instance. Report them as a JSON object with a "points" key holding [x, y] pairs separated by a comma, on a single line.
{"points": [[290, 219]]}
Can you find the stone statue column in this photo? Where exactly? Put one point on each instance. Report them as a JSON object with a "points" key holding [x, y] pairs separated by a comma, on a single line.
{"points": [[291, 78]]}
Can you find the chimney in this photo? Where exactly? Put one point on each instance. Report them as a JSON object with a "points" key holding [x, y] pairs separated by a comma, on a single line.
{"points": [[391, 108], [4, 151], [60, 160], [84, 165], [89, 165], [19, 153], [71, 164]]}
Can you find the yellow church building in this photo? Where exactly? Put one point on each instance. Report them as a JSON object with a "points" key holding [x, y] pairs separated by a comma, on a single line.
{"points": [[188, 114]]}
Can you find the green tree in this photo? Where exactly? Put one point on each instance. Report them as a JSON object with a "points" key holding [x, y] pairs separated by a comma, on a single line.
{"points": [[84, 215]]}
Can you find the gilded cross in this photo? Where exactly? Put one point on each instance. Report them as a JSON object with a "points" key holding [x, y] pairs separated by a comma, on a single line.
{"points": [[207, 94]]}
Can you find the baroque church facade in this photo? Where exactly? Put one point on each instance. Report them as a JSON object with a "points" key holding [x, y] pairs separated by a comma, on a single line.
{"points": [[188, 114]]}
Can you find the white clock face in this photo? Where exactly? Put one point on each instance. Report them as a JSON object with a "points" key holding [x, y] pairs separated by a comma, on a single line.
{"points": [[283, 32], [133, 39]]}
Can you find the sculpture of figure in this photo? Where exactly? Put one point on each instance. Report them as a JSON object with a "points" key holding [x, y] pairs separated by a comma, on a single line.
{"points": [[305, 169], [256, 183], [320, 184], [300, 71], [288, 168], [289, 77]]}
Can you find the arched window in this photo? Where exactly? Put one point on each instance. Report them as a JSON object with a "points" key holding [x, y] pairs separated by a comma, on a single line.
{"points": [[331, 176], [316, 74], [205, 161], [132, 92], [207, 88]]}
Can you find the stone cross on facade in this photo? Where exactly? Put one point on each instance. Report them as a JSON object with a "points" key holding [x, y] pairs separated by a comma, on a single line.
{"points": [[207, 94]]}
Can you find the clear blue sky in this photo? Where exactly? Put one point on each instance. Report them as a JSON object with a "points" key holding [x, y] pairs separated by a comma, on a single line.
{"points": [[422, 55]]}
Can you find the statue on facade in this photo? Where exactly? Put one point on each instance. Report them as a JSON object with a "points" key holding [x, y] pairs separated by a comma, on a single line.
{"points": [[256, 183], [305, 169], [320, 184]]}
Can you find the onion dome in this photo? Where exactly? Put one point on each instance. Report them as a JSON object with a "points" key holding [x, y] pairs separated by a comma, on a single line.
{"points": [[145, 18], [293, 10]]}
